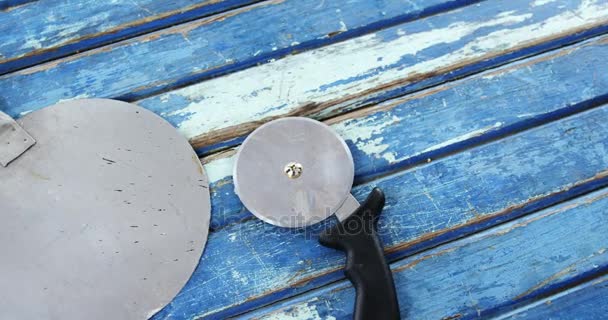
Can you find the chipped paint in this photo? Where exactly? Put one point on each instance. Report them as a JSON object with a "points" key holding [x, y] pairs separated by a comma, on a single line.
{"points": [[48, 35], [477, 273], [495, 180], [330, 73], [219, 169], [80, 96], [253, 258], [414, 124], [361, 133], [467, 136], [537, 3], [210, 107], [301, 311]]}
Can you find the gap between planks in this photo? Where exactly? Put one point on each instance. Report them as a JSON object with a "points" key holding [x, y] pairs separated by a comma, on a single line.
{"points": [[476, 141], [538, 202], [545, 287], [315, 110], [119, 33], [456, 142]]}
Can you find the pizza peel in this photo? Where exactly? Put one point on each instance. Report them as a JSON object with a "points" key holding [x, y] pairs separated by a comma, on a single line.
{"points": [[295, 172], [105, 211]]}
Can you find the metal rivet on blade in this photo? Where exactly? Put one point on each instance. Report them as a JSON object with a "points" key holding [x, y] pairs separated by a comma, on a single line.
{"points": [[293, 170]]}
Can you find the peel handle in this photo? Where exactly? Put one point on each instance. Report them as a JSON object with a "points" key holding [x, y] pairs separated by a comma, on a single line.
{"points": [[366, 266]]}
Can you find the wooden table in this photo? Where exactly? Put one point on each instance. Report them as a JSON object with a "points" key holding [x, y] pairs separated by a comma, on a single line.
{"points": [[484, 122]]}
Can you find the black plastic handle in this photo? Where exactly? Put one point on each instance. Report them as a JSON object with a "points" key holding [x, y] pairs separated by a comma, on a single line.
{"points": [[365, 264]]}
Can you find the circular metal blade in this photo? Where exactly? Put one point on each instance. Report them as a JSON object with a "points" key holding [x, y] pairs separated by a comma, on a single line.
{"points": [[105, 217], [293, 172]]}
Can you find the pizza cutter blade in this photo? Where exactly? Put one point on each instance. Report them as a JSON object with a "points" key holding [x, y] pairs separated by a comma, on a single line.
{"points": [[295, 172], [104, 217]]}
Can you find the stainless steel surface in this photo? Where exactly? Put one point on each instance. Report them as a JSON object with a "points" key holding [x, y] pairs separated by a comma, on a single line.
{"points": [[105, 217], [265, 189], [347, 208], [14, 140]]}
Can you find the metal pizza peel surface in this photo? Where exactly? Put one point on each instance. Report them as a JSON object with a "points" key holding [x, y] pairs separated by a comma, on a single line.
{"points": [[105, 217], [293, 172]]}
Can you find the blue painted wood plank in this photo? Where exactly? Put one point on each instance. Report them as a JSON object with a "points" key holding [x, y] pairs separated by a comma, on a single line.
{"points": [[413, 129], [495, 270], [255, 263], [32, 32], [203, 48], [6, 5], [375, 67], [586, 301], [424, 52]]}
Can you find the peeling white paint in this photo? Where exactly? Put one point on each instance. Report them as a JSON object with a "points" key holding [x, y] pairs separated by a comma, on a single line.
{"points": [[239, 277], [296, 80], [220, 168], [32, 44], [464, 137], [80, 96], [541, 2], [232, 237], [300, 311], [366, 134]]}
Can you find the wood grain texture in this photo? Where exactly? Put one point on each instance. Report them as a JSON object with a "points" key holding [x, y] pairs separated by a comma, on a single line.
{"points": [[204, 48], [7, 5], [374, 67], [255, 263], [51, 28], [417, 53], [585, 301], [484, 274], [408, 131], [453, 156]]}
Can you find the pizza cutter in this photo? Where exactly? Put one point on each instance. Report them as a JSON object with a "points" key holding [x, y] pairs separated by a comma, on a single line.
{"points": [[295, 172], [105, 212]]}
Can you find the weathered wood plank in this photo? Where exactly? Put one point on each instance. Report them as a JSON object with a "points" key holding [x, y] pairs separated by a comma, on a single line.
{"points": [[255, 263], [586, 301], [32, 32], [482, 43], [204, 48], [430, 124], [489, 272], [375, 67], [6, 5]]}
